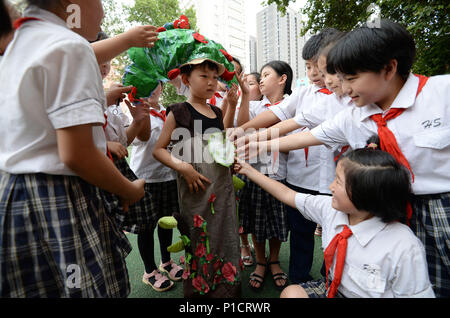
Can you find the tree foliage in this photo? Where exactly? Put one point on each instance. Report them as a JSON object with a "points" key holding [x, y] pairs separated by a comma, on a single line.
{"points": [[144, 12], [426, 20]]}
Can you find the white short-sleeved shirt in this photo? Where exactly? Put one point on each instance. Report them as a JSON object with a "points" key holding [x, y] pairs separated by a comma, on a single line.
{"points": [[316, 173], [383, 260], [50, 80], [115, 129], [422, 131], [142, 162], [272, 164]]}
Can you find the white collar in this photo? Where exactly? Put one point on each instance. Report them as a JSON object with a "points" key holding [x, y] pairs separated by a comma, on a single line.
{"points": [[364, 231]]}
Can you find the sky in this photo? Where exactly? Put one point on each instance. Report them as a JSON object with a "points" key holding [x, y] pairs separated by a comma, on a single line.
{"points": [[252, 7]]}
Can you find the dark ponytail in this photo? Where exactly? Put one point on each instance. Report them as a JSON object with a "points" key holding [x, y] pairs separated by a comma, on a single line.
{"points": [[282, 68], [5, 19]]}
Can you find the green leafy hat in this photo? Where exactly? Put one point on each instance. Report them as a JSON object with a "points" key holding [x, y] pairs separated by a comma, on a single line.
{"points": [[177, 46]]}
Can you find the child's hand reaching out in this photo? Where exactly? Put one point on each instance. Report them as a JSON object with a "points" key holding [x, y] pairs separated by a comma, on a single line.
{"points": [[242, 167], [142, 36], [140, 112]]}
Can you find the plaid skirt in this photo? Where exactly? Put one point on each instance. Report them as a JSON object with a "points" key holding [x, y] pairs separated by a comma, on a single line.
{"points": [[318, 289], [140, 216], [261, 214], [58, 239], [431, 223], [164, 197]]}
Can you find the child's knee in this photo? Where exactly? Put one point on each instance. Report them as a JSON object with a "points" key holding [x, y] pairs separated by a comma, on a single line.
{"points": [[293, 291]]}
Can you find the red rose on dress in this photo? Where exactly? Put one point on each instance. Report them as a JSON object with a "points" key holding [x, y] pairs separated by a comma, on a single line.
{"points": [[217, 265], [194, 265], [205, 269], [200, 38], [229, 272], [186, 272], [209, 257], [200, 251], [200, 284], [198, 221]]}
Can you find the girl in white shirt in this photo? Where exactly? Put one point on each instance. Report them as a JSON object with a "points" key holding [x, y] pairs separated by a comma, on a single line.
{"points": [[368, 251], [262, 215], [410, 113], [58, 237]]}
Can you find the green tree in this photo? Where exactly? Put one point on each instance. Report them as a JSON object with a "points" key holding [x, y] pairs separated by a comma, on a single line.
{"points": [[427, 21], [142, 12]]}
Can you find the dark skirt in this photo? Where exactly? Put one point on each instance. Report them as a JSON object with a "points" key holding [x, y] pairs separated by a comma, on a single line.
{"points": [[140, 216], [213, 261], [431, 224], [261, 214], [164, 197], [58, 239]]}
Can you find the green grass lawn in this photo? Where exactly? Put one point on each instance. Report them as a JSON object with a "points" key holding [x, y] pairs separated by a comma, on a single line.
{"points": [[140, 290]]}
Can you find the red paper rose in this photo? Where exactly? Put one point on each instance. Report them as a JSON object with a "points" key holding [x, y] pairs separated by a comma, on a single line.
{"points": [[200, 38], [200, 284], [227, 55], [200, 251], [173, 73], [161, 29], [229, 272], [198, 221]]}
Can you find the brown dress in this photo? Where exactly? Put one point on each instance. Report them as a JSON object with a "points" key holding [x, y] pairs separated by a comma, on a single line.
{"points": [[207, 218]]}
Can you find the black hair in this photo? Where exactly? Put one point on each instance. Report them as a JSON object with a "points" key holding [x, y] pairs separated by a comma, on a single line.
{"points": [[312, 46], [235, 59], [187, 69], [5, 19], [282, 68], [375, 182], [100, 37], [257, 75], [369, 49], [329, 42]]}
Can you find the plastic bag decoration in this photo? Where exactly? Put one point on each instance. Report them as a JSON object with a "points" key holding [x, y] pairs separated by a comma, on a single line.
{"points": [[177, 44]]}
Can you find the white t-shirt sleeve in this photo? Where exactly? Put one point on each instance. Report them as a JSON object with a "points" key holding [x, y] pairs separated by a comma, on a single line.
{"points": [[332, 132], [287, 108], [314, 207], [69, 100], [412, 264], [312, 115]]}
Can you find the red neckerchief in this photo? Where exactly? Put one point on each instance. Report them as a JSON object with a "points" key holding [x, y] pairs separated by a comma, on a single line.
{"points": [[161, 114], [270, 105], [104, 130], [325, 91], [18, 23], [213, 100], [338, 243], [388, 142]]}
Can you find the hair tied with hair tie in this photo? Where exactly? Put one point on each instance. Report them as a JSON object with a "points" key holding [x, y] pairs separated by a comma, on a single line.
{"points": [[372, 145]]}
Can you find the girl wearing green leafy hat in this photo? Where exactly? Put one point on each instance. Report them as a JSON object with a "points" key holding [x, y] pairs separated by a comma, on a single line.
{"points": [[207, 219]]}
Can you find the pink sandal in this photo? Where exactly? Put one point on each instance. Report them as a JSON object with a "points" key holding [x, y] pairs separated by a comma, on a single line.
{"points": [[172, 270], [158, 281]]}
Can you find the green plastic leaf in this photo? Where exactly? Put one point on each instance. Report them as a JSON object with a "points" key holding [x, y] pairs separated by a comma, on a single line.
{"points": [[221, 149]]}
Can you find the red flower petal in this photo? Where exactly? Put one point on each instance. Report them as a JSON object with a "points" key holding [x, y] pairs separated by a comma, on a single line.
{"points": [[198, 221], [212, 198], [227, 55], [173, 73], [199, 38], [227, 75], [161, 29]]}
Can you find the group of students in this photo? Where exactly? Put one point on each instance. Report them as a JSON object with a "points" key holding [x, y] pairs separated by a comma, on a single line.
{"points": [[67, 192]]}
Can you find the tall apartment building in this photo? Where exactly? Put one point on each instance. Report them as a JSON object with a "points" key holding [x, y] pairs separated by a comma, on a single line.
{"points": [[223, 21], [252, 55], [278, 38]]}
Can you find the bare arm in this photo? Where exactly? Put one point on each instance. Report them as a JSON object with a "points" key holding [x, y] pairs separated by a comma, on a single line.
{"points": [[193, 178], [275, 188], [141, 36], [79, 153]]}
